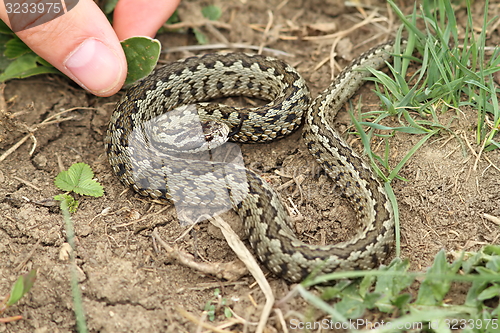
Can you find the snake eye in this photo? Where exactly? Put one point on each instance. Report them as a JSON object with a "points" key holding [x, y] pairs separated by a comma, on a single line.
{"points": [[215, 132]]}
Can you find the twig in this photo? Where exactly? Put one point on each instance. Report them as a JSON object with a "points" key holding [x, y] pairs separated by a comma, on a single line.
{"points": [[282, 4], [242, 252], [491, 163], [198, 322], [219, 46], [3, 104], [281, 320], [182, 25], [32, 129], [28, 257], [14, 147], [10, 319], [27, 183], [492, 218], [229, 271], [477, 155], [368, 20], [333, 54], [213, 30], [266, 31], [145, 217]]}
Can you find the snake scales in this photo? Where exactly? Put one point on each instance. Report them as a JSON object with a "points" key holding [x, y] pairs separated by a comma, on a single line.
{"points": [[140, 162]]}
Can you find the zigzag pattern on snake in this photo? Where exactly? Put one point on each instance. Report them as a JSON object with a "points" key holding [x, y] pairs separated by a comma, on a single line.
{"points": [[151, 172]]}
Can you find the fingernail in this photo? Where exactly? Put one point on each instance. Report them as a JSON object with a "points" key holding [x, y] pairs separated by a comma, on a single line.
{"points": [[95, 66]]}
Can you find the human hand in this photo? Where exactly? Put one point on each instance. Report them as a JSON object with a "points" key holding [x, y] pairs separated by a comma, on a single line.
{"points": [[83, 45]]}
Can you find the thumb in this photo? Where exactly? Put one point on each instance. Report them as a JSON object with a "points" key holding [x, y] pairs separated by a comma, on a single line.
{"points": [[81, 44]]}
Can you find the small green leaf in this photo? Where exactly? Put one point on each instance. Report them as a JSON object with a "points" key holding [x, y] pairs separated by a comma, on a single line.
{"points": [[489, 293], [64, 181], [89, 187], [20, 65], [484, 271], [433, 290], [30, 72], [392, 285], [22, 285], [211, 12], [366, 284], [78, 178], [210, 308], [336, 290], [4, 29], [109, 6], [494, 263], [207, 306], [401, 300], [43, 62], [492, 250], [174, 18], [17, 291], [4, 61], [469, 265], [201, 38], [67, 202], [29, 280], [142, 54], [371, 299], [351, 307], [227, 312], [25, 66], [15, 48]]}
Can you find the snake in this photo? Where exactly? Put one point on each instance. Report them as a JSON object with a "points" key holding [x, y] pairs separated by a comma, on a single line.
{"points": [[145, 132]]}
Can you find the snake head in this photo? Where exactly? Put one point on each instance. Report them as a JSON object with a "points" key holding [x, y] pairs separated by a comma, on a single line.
{"points": [[182, 130]]}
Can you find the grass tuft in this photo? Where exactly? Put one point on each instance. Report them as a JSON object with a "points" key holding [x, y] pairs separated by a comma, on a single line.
{"points": [[453, 73]]}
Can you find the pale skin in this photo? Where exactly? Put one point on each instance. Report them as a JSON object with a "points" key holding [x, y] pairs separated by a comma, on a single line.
{"points": [[84, 46]]}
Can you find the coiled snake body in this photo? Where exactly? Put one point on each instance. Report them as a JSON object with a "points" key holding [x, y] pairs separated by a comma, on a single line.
{"points": [[135, 145]]}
